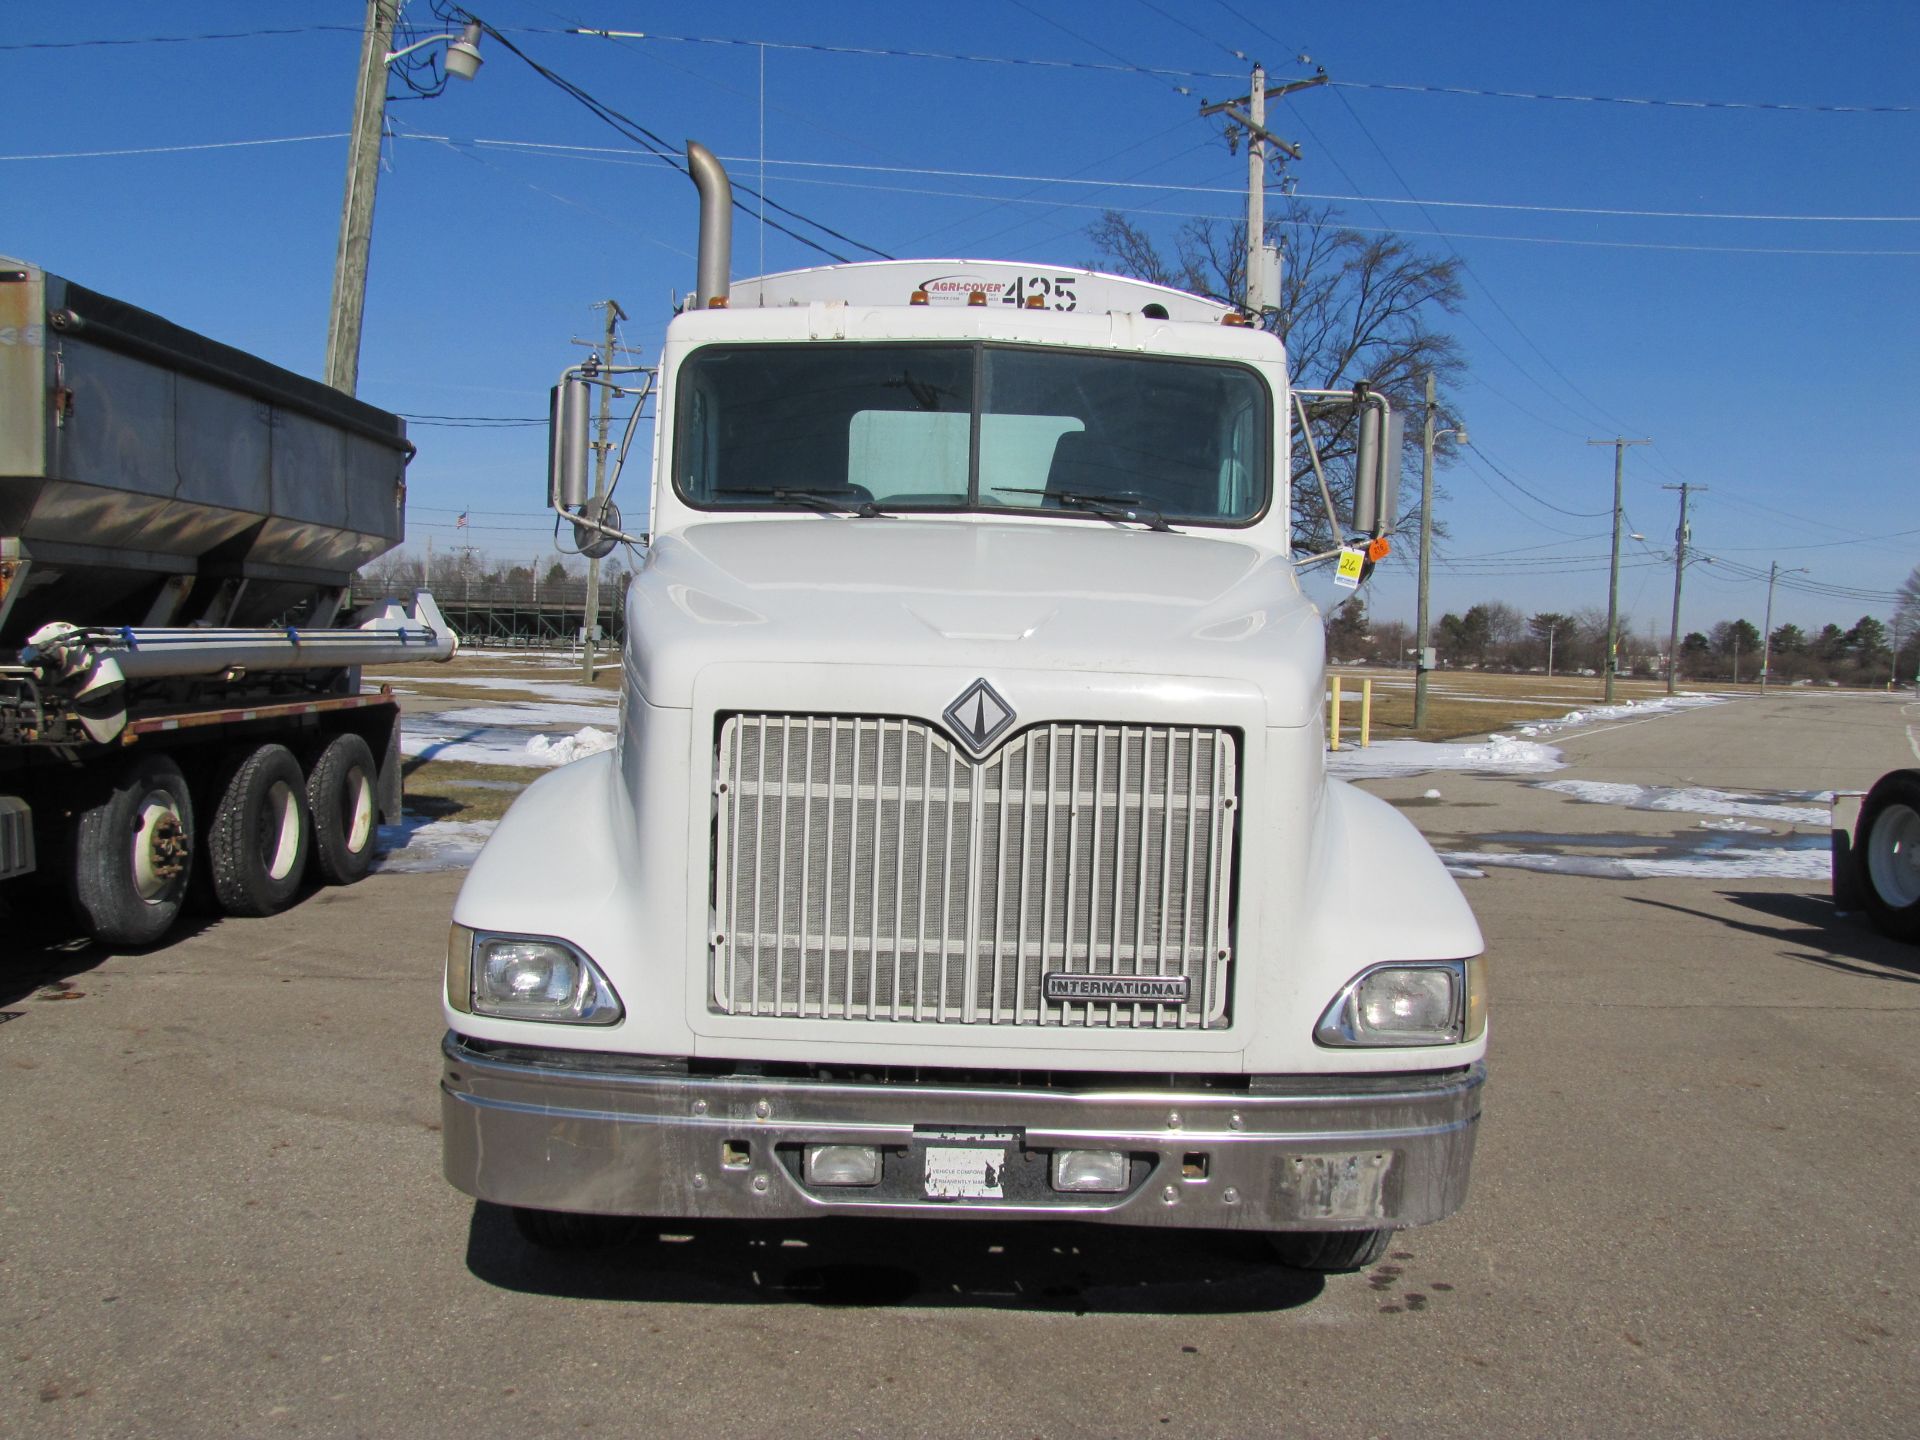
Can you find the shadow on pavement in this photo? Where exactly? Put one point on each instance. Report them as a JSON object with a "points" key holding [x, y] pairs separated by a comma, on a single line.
{"points": [[46, 948], [1842, 941], [1038, 1268]]}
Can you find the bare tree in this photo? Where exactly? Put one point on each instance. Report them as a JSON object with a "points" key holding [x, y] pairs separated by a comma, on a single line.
{"points": [[1352, 308]]}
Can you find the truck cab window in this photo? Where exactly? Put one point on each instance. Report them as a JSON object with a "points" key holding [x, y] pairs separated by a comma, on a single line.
{"points": [[910, 428]]}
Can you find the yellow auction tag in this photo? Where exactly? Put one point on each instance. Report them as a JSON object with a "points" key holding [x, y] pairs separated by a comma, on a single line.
{"points": [[1347, 575]]}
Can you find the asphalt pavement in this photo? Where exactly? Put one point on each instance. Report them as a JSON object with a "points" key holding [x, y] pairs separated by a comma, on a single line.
{"points": [[1693, 1209]]}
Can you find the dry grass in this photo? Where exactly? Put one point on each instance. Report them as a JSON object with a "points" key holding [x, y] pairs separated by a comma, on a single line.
{"points": [[1467, 702], [447, 789]]}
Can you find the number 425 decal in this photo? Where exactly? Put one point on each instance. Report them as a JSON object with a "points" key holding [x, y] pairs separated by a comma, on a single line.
{"points": [[1056, 288]]}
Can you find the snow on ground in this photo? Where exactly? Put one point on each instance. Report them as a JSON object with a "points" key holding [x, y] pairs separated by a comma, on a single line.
{"points": [[444, 737], [1689, 800], [418, 844], [1732, 863], [568, 748], [1499, 755], [1629, 710], [548, 689], [541, 659], [538, 714]]}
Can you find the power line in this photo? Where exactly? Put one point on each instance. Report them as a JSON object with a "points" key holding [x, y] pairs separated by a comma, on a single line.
{"points": [[1332, 197], [178, 149], [1491, 298], [1121, 66], [1788, 105], [666, 153], [1576, 514], [1192, 30], [1046, 19], [176, 39]]}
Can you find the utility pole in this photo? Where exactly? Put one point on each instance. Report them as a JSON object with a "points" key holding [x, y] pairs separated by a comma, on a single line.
{"points": [[1613, 572], [1422, 633], [1253, 120], [1774, 572], [356, 210], [363, 174], [1680, 538], [614, 316], [1423, 637]]}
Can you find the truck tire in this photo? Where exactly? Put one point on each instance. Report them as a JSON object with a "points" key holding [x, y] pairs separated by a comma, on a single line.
{"points": [[563, 1231], [1329, 1250], [343, 804], [257, 842], [133, 854], [1886, 850]]}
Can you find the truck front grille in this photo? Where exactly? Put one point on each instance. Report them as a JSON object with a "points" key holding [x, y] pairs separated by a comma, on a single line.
{"points": [[867, 869]]}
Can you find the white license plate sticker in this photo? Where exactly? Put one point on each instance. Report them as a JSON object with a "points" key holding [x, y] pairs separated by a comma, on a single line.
{"points": [[970, 1173]]}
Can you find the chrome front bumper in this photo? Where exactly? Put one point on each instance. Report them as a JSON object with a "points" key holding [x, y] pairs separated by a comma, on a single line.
{"points": [[605, 1135]]}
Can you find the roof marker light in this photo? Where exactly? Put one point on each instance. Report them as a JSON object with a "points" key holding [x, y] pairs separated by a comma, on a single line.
{"points": [[976, 297], [919, 297]]}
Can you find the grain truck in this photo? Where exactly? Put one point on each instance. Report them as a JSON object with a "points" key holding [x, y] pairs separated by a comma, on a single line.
{"points": [[181, 708], [967, 849]]}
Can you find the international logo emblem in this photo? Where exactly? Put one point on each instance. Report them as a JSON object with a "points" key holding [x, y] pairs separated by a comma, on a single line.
{"points": [[979, 716]]}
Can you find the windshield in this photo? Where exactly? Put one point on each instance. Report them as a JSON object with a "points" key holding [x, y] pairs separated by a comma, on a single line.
{"points": [[971, 427]]}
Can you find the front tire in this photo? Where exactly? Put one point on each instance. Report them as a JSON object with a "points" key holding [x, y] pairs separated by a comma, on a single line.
{"points": [[257, 842], [133, 854], [1330, 1250], [1886, 850], [343, 803]]}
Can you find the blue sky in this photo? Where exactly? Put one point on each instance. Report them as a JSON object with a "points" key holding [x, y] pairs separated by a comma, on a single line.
{"points": [[1772, 361]]}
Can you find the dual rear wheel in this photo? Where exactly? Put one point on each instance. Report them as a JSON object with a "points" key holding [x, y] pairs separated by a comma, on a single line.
{"points": [[268, 821]]}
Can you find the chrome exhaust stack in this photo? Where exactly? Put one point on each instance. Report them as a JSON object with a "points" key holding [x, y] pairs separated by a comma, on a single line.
{"points": [[716, 223]]}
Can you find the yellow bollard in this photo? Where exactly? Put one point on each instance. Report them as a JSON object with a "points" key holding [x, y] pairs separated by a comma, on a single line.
{"points": [[1333, 716], [1366, 711]]}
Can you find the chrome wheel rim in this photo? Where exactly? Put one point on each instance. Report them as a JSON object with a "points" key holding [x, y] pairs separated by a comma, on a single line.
{"points": [[1893, 856], [280, 830]]}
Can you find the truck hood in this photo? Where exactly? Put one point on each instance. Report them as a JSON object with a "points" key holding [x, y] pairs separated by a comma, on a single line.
{"points": [[1082, 597]]}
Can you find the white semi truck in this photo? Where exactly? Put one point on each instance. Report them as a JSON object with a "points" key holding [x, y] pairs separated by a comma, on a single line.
{"points": [[967, 848]]}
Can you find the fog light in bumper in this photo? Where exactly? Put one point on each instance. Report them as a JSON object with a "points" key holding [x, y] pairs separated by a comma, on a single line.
{"points": [[842, 1165], [1101, 1172]]}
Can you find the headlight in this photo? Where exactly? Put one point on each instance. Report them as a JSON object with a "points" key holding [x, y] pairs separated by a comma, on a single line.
{"points": [[527, 977], [1427, 1003]]}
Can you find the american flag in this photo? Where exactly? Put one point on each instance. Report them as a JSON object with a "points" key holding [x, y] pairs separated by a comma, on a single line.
{"points": [[460, 521]]}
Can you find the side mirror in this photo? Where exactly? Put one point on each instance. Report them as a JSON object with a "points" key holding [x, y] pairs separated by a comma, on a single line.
{"points": [[567, 445], [1376, 469]]}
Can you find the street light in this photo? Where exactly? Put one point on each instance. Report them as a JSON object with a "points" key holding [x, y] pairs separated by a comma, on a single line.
{"points": [[1423, 638], [463, 62]]}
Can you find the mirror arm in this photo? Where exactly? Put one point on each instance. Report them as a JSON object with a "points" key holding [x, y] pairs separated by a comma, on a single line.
{"points": [[1313, 453]]}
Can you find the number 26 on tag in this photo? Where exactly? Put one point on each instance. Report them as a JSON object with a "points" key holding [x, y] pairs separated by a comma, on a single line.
{"points": [[1347, 574]]}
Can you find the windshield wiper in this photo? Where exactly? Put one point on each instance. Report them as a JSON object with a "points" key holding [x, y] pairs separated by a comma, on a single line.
{"points": [[1111, 507], [821, 499]]}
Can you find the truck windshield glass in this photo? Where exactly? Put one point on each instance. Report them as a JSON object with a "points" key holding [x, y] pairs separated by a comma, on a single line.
{"points": [[971, 427]]}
